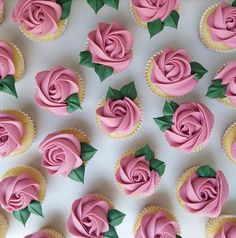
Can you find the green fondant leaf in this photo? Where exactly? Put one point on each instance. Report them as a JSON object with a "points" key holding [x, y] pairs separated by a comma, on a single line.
{"points": [[115, 217], [103, 71], [129, 91], [7, 85], [35, 208], [112, 3], [216, 89], [234, 3], [111, 233], [198, 70], [22, 215], [86, 59], [169, 108], [154, 27], [78, 174], [146, 151], [66, 8], [113, 94], [96, 5], [164, 122], [206, 171], [73, 103], [172, 20], [178, 236], [158, 165], [87, 151]]}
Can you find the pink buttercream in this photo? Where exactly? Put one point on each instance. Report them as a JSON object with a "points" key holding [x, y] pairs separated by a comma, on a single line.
{"points": [[205, 196], [1, 5], [120, 116], [150, 10], [54, 87], [111, 45], [88, 218], [222, 24], [39, 234], [39, 17], [60, 153], [228, 231], [17, 192], [191, 128], [172, 72], [7, 66], [135, 177], [11, 132], [157, 225]]}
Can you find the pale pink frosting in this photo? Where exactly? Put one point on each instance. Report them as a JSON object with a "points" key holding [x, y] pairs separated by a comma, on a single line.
{"points": [[60, 153], [150, 10], [120, 116], [227, 75], [7, 66], [39, 234], [191, 128], [88, 218], [11, 132], [111, 45], [39, 17], [172, 72], [135, 177], [17, 192], [54, 87], [222, 24], [157, 225], [205, 196], [228, 231], [1, 5]]}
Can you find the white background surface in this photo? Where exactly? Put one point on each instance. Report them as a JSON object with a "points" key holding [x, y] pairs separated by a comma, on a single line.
{"points": [[62, 192]]}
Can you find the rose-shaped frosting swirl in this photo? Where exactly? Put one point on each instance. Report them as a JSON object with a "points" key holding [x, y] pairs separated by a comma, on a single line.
{"points": [[157, 225], [7, 66], [11, 132], [150, 10], [135, 177], [39, 17], [54, 87], [17, 192], [88, 218], [222, 24], [60, 153], [172, 72], [204, 196], [111, 45], [120, 116], [39, 234], [191, 128], [228, 231]]}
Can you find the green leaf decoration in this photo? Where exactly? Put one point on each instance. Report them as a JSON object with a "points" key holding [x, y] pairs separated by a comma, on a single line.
{"points": [[154, 27], [35, 208], [172, 20], [198, 70], [87, 151], [111, 233], [158, 165], [234, 3], [66, 8], [86, 59], [206, 171], [7, 85], [129, 91], [169, 108], [103, 71], [112, 3], [78, 174], [164, 122], [113, 94], [216, 89], [96, 5], [146, 151], [115, 217], [22, 215], [73, 103], [178, 236]]}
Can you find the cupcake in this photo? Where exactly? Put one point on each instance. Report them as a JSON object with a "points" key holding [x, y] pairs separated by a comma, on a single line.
{"points": [[202, 190], [12, 67], [223, 85], [16, 133], [138, 173], [120, 114], [22, 191], [3, 226], [154, 221], [188, 126], [97, 5], [223, 226], [218, 28], [46, 233], [41, 20], [93, 215], [109, 53], [170, 73], [65, 153], [2, 11], [155, 15], [59, 90]]}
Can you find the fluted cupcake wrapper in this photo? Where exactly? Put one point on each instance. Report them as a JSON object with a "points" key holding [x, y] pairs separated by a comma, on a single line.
{"points": [[81, 86], [52, 233], [3, 226], [136, 18]]}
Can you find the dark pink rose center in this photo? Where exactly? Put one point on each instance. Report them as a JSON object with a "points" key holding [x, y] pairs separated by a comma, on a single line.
{"points": [[3, 136]]}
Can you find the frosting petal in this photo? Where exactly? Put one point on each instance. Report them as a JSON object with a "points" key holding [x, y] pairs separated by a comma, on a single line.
{"points": [[39, 234], [228, 231]]}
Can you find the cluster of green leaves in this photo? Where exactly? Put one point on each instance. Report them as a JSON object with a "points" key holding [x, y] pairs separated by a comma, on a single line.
{"points": [[216, 89], [96, 5], [66, 8], [234, 3], [206, 171], [198, 70], [7, 85], [73, 103]]}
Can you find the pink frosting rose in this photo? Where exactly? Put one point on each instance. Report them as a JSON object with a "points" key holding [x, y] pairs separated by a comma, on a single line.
{"points": [[11, 132], [205, 196], [222, 24], [150, 10], [39, 234], [17, 192], [157, 225], [7, 66], [228, 231], [135, 177], [88, 218], [172, 72], [191, 128], [60, 153], [111, 45], [120, 116], [54, 87], [39, 17]]}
